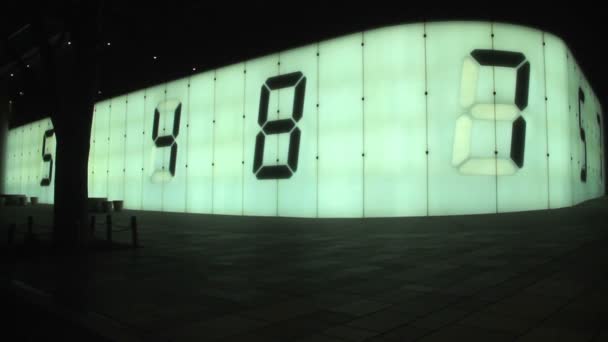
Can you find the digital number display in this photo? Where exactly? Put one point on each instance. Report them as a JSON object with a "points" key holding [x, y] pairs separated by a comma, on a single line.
{"points": [[410, 120]]}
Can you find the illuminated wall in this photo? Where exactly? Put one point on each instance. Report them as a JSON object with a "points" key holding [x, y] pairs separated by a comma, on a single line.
{"points": [[435, 119]]}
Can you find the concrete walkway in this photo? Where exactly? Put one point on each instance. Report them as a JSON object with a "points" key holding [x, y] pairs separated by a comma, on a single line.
{"points": [[531, 276]]}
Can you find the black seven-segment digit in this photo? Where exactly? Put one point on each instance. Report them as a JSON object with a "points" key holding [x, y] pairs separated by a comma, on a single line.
{"points": [[168, 140], [599, 126], [47, 157], [280, 126], [581, 102], [516, 60]]}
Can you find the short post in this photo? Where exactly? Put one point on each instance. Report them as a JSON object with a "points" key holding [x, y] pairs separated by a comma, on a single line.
{"points": [[134, 235], [11, 233], [93, 225], [109, 228]]}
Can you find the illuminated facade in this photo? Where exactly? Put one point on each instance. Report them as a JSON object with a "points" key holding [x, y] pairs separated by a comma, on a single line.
{"points": [[410, 120]]}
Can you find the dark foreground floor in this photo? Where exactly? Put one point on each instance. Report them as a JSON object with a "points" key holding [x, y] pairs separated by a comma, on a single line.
{"points": [[533, 276]]}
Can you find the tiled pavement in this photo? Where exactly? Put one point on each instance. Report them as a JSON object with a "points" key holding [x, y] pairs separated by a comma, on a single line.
{"points": [[531, 276]]}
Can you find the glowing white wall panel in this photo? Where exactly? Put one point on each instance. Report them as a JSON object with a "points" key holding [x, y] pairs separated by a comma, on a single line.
{"points": [[259, 197], [25, 165], [297, 195], [228, 141], [134, 151], [395, 122], [199, 192], [174, 191], [342, 128], [558, 127], [154, 158], [528, 187], [116, 148], [100, 148], [448, 49]]}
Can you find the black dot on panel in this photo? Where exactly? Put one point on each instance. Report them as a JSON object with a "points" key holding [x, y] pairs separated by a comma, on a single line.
{"points": [[426, 93], [277, 160], [424, 35], [494, 93], [492, 35], [317, 157]]}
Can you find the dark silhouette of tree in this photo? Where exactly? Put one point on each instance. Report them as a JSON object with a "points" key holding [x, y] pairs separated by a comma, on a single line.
{"points": [[69, 77]]}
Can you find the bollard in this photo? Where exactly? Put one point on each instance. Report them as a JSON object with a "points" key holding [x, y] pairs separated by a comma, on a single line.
{"points": [[134, 236], [93, 225], [109, 228], [30, 225], [11, 233]]}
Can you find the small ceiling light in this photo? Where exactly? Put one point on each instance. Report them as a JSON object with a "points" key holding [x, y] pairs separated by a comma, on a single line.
{"points": [[69, 43], [12, 75], [21, 93], [27, 66], [99, 92], [154, 57], [193, 69], [108, 43]]}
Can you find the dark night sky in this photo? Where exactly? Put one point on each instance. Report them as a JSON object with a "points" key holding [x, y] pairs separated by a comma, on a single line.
{"points": [[192, 34]]}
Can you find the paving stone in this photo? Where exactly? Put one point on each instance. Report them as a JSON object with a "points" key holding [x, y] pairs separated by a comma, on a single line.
{"points": [[361, 307], [348, 333], [382, 320]]}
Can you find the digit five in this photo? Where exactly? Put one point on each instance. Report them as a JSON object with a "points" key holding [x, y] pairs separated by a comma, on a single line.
{"points": [[47, 158], [581, 102]]}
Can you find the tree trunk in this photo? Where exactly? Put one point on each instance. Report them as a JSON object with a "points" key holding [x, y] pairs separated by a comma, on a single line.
{"points": [[72, 77]]}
